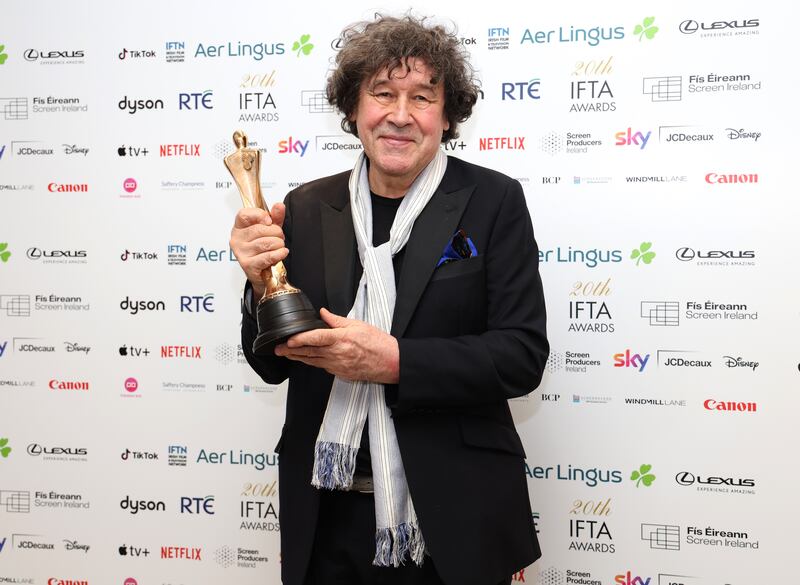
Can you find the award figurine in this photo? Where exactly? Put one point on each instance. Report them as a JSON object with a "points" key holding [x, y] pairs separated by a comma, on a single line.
{"points": [[284, 310]]}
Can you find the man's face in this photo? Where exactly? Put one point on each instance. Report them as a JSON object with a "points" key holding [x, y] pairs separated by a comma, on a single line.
{"points": [[400, 121]]}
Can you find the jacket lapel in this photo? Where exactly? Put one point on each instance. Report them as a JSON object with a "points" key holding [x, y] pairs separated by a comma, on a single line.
{"points": [[432, 230], [339, 254]]}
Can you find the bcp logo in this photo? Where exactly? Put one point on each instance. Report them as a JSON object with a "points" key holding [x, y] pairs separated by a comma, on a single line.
{"points": [[129, 185], [630, 138], [196, 304], [521, 90], [131, 385], [628, 360], [196, 101]]}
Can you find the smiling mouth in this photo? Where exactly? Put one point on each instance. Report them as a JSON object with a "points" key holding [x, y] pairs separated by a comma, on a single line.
{"points": [[397, 140]]}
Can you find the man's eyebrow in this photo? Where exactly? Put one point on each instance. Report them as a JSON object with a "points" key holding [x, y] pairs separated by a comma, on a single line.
{"points": [[422, 85]]}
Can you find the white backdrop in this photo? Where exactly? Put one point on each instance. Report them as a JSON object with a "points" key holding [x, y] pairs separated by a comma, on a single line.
{"points": [[136, 444]]}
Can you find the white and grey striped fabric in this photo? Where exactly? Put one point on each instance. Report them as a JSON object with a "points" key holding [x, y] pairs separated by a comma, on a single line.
{"points": [[398, 533]]}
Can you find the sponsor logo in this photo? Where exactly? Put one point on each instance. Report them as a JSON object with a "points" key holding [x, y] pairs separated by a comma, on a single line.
{"points": [[128, 255], [498, 38], [130, 350], [716, 484], [629, 579], [663, 89], [5, 450], [179, 150], [502, 143], [57, 256], [720, 28], [132, 551], [175, 51], [629, 360], [177, 455], [654, 402], [181, 552], [589, 309], [16, 305], [591, 95], [68, 187], [630, 138], [742, 134], [256, 51], [197, 303], [293, 146], [15, 501], [136, 54], [592, 477], [54, 57], [521, 90], [591, 257], [131, 385], [591, 36], [226, 557], [715, 83], [642, 476], [722, 179], [710, 536], [710, 310], [53, 499], [739, 362], [196, 100], [14, 108], [27, 148], [660, 313], [302, 45], [716, 257], [58, 453], [132, 151], [315, 101], [669, 358], [76, 546], [128, 455], [570, 143], [194, 505], [590, 531], [79, 385], [75, 149], [258, 460], [661, 536], [729, 406], [181, 351], [176, 255], [684, 135], [136, 506], [135, 307], [137, 105]]}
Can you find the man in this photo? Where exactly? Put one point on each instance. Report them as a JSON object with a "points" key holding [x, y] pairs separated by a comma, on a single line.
{"points": [[399, 460]]}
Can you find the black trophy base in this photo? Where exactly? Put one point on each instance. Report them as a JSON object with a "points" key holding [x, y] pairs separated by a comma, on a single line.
{"points": [[281, 317]]}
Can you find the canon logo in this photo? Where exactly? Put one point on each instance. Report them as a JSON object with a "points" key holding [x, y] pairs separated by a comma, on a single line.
{"points": [[714, 178], [68, 188], [56, 581], [711, 404], [61, 385], [686, 478]]}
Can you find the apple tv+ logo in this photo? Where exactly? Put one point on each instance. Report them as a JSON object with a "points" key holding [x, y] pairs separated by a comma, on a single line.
{"points": [[132, 551], [132, 351], [132, 151]]}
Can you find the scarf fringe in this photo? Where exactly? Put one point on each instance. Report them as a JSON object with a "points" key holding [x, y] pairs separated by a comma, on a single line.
{"points": [[395, 543], [334, 465]]}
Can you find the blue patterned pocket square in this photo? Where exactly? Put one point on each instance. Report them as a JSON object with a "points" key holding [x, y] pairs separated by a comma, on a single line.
{"points": [[460, 247]]}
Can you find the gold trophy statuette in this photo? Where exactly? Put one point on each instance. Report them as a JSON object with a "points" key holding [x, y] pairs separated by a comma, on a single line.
{"points": [[284, 310]]}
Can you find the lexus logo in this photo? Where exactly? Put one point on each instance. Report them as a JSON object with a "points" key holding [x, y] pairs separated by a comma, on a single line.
{"points": [[685, 254], [685, 478]]}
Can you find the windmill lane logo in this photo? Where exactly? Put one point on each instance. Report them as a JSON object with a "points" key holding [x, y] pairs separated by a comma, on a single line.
{"points": [[303, 46], [643, 475], [646, 29]]}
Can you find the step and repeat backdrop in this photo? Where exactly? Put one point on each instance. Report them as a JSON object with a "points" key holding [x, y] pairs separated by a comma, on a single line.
{"points": [[653, 144]]}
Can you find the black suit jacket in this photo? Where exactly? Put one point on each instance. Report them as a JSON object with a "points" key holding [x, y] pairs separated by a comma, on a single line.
{"points": [[471, 336]]}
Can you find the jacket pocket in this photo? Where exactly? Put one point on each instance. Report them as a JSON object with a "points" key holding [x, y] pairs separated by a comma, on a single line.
{"points": [[487, 433], [458, 268]]}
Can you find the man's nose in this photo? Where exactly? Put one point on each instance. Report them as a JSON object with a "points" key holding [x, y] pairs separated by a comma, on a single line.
{"points": [[400, 114]]}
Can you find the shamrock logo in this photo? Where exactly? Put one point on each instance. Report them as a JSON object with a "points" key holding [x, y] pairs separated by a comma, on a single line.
{"points": [[641, 254], [3, 54], [4, 255], [643, 475], [646, 28], [303, 45], [4, 451]]}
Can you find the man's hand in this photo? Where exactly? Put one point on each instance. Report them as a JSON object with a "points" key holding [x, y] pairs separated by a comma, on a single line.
{"points": [[350, 349], [257, 242]]}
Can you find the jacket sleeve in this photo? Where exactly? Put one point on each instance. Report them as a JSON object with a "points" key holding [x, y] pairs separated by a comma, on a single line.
{"points": [[272, 369], [508, 358]]}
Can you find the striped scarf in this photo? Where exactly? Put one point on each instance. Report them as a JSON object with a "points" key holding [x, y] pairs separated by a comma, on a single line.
{"points": [[351, 403]]}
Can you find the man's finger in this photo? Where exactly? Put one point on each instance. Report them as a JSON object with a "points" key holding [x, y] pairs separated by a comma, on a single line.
{"points": [[315, 337], [248, 216], [332, 319], [278, 213]]}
